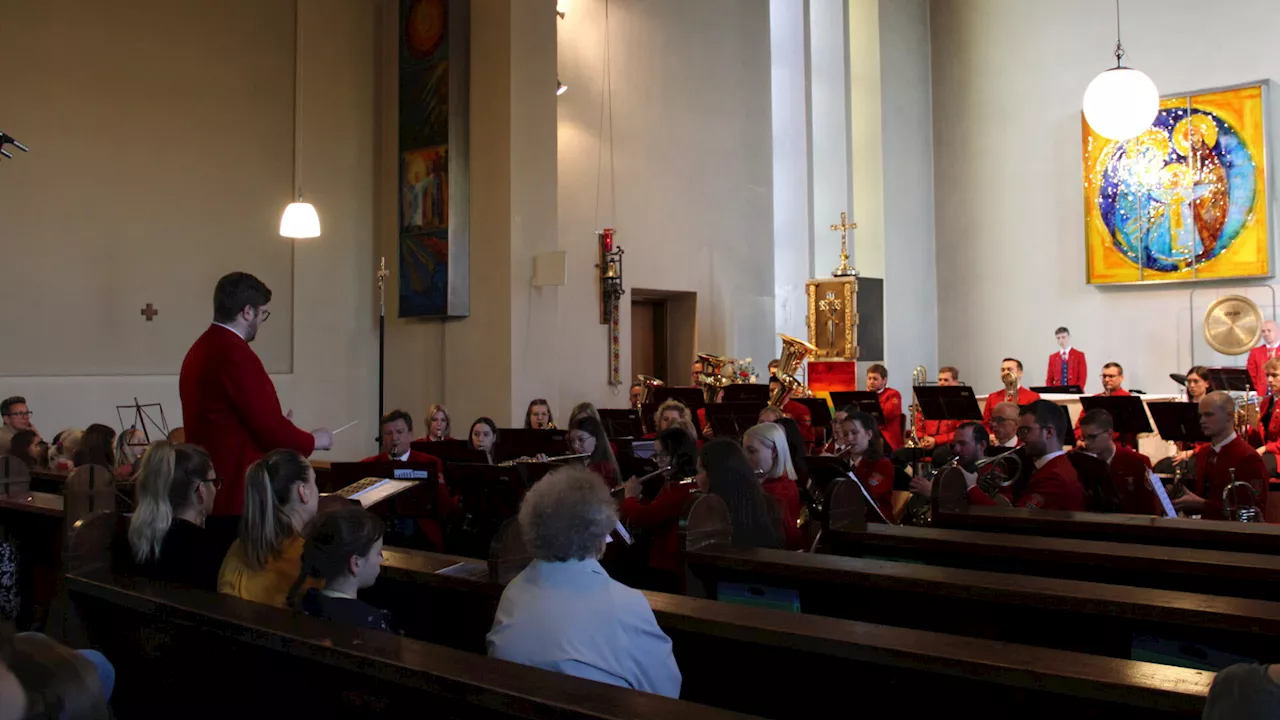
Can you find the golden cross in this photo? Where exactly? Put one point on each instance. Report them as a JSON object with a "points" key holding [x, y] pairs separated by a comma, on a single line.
{"points": [[844, 227]]}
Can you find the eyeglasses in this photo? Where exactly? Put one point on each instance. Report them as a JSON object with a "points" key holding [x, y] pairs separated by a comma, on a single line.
{"points": [[1025, 430], [216, 482], [1003, 420], [266, 314], [24, 414]]}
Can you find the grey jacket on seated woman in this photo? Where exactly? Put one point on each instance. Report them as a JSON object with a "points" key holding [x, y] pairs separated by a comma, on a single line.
{"points": [[564, 612]]}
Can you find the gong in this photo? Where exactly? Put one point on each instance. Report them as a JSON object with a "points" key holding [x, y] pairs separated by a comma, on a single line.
{"points": [[1232, 324]]}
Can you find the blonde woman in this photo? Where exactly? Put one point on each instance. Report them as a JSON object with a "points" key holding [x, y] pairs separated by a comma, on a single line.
{"points": [[174, 494], [130, 445], [673, 413], [770, 456], [280, 499], [439, 424]]}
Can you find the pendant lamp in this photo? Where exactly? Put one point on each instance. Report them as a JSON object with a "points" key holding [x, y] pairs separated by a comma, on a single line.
{"points": [[300, 219], [1121, 102]]}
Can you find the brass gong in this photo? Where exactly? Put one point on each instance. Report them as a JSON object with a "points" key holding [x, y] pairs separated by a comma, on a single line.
{"points": [[1232, 324]]}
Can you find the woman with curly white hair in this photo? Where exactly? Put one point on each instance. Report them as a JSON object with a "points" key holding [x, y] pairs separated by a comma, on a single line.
{"points": [[563, 612]]}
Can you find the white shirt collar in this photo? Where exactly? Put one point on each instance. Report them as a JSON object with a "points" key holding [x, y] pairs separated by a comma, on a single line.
{"points": [[1041, 462], [336, 594], [1011, 442], [1218, 447], [237, 332], [1067, 351], [405, 456]]}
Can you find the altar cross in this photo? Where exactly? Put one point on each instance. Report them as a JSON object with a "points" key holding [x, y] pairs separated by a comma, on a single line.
{"points": [[844, 270]]}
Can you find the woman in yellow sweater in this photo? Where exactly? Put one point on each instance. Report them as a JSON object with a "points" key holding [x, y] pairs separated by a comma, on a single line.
{"points": [[280, 499]]}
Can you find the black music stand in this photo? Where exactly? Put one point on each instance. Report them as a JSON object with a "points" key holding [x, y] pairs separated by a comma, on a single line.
{"points": [[955, 402], [1058, 390], [745, 392], [622, 423], [1231, 379], [690, 397], [1178, 421], [524, 442], [730, 420], [488, 494], [819, 415], [450, 451], [1128, 412], [417, 501], [141, 417], [865, 401]]}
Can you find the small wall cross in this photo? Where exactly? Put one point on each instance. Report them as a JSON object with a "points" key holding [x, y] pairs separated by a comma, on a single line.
{"points": [[150, 312]]}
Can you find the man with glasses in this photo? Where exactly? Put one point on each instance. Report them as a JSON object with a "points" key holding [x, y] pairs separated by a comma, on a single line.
{"points": [[229, 404], [1054, 485], [1112, 386], [1130, 471], [1004, 427], [17, 417]]}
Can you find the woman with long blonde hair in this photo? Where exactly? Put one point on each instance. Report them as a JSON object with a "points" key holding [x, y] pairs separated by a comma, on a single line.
{"points": [[770, 455], [173, 495]]}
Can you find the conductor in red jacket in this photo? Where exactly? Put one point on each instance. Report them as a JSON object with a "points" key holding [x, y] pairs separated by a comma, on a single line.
{"points": [[229, 405], [1067, 366]]}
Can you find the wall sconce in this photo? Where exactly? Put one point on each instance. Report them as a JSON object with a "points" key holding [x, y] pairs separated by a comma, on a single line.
{"points": [[610, 275], [562, 8], [560, 87]]}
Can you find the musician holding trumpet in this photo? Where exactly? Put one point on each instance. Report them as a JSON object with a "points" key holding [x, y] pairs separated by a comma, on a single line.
{"points": [[1054, 485], [1013, 392]]}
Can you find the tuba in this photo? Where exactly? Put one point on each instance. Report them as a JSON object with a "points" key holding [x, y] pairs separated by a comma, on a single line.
{"points": [[647, 384], [712, 378], [919, 376], [1250, 513], [794, 352]]}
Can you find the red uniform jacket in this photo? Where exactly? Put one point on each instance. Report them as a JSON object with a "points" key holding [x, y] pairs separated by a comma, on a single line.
{"points": [[877, 478], [787, 493], [803, 418], [1129, 472], [1077, 369], [1025, 397], [607, 471], [1128, 440], [1257, 358], [230, 408], [661, 518], [1269, 432], [1054, 486], [1213, 474], [445, 504], [891, 406], [942, 431]]}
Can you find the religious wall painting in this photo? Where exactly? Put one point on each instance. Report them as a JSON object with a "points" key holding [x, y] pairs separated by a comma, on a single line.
{"points": [[432, 138], [1187, 199]]}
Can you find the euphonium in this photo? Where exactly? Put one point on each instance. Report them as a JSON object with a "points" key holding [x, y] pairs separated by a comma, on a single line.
{"points": [[712, 378], [1250, 513], [919, 376], [647, 384], [794, 351], [1007, 467]]}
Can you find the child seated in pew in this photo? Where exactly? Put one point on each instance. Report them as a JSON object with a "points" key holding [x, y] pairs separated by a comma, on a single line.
{"points": [[96, 447], [130, 446], [26, 446], [343, 548], [280, 499], [63, 449], [174, 494]]}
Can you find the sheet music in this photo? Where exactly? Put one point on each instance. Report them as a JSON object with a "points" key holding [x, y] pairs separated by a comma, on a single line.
{"points": [[380, 491], [867, 496], [1158, 486]]}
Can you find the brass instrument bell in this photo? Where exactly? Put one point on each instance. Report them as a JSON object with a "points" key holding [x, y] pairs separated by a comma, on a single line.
{"points": [[1250, 513], [647, 384], [794, 352], [712, 378]]}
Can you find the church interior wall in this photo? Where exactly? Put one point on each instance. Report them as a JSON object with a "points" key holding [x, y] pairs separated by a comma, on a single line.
{"points": [[1008, 77]]}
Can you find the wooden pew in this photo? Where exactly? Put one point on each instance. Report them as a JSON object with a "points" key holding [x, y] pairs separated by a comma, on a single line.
{"points": [[1171, 532], [169, 644]]}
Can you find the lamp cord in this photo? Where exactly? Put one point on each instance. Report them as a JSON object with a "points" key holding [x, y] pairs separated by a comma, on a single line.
{"points": [[1119, 47], [297, 99], [606, 85]]}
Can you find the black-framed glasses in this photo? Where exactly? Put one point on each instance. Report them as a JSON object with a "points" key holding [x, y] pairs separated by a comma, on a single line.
{"points": [[1109, 377], [24, 414], [1024, 430], [266, 314], [215, 482]]}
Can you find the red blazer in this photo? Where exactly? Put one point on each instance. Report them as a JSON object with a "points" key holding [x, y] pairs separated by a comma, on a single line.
{"points": [[1052, 487], [891, 406], [803, 418], [1257, 358], [877, 477], [1129, 472], [1025, 397], [942, 431], [1213, 474], [787, 493], [1270, 433], [230, 408], [661, 517], [1077, 369]]}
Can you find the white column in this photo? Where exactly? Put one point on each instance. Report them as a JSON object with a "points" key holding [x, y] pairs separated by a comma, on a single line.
{"points": [[829, 173], [792, 227]]}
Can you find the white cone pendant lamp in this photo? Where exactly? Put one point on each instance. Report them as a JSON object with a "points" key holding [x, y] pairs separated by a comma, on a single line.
{"points": [[300, 219], [1121, 102]]}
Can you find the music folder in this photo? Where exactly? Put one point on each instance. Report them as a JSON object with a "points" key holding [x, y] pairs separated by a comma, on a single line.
{"points": [[819, 411], [955, 402], [745, 392], [865, 401], [733, 419], [371, 483], [1178, 421], [1128, 412]]}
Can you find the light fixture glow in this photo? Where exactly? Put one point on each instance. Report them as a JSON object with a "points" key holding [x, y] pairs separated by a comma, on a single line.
{"points": [[300, 221], [560, 87], [1121, 103], [562, 8]]}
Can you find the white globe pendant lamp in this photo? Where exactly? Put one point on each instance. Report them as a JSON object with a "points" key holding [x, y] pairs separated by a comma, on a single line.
{"points": [[1121, 102]]}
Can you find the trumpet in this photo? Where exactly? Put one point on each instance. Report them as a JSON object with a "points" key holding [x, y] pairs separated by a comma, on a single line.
{"points": [[558, 458], [1008, 466]]}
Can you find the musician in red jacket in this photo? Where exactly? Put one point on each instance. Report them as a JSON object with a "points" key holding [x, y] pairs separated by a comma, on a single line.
{"points": [[1228, 458], [229, 405], [865, 452], [1268, 418], [1130, 470], [1054, 484], [1112, 386], [890, 405], [1258, 357], [1011, 377], [1067, 366], [660, 517], [396, 429]]}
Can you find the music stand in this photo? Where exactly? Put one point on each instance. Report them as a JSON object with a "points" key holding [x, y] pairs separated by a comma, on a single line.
{"points": [[733, 419], [1231, 379], [955, 402], [690, 397], [417, 500], [1178, 421], [1058, 390], [524, 442], [865, 401], [622, 423], [141, 417], [449, 451], [489, 494], [1128, 412], [745, 392]]}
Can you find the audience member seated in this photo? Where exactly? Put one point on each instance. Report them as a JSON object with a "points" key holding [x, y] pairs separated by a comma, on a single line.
{"points": [[174, 491], [25, 446], [395, 432], [538, 416], [1244, 692], [96, 447], [439, 424], [673, 413], [766, 448], [130, 445], [280, 499], [586, 437], [54, 682], [865, 453], [177, 436], [484, 435], [660, 517], [63, 450], [16, 416], [725, 471], [563, 612], [343, 548]]}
